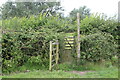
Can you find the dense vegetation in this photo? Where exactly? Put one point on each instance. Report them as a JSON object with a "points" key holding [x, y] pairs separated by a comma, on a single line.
{"points": [[99, 39], [28, 43], [30, 39], [25, 40]]}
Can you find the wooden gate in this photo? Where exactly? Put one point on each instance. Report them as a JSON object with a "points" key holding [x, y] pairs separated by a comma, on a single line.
{"points": [[69, 47], [69, 42], [54, 55]]}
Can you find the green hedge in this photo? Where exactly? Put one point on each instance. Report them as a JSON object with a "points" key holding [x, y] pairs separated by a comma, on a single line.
{"points": [[26, 40], [97, 47]]}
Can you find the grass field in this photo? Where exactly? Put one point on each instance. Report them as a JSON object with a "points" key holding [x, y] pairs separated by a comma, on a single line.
{"points": [[111, 72]]}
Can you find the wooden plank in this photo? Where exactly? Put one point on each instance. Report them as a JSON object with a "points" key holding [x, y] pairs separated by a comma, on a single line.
{"points": [[78, 37], [54, 49], [69, 42], [68, 48], [53, 60], [53, 65], [53, 55], [57, 54], [50, 62], [119, 12], [55, 43], [68, 45], [70, 39], [72, 43]]}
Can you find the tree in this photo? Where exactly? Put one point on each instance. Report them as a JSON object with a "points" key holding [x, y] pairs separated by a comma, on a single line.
{"points": [[84, 11], [20, 9]]}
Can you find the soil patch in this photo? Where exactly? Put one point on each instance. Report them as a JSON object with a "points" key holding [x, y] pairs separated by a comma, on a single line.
{"points": [[79, 72]]}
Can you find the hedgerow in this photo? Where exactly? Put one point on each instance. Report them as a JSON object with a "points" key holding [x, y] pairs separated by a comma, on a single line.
{"points": [[99, 38], [26, 40]]}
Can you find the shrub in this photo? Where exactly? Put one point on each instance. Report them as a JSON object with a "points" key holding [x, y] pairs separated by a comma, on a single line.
{"points": [[98, 46], [31, 43]]}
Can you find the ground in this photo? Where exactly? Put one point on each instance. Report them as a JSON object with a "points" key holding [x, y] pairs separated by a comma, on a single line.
{"points": [[106, 73]]}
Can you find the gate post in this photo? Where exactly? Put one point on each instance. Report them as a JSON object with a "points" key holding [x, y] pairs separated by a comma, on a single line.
{"points": [[78, 38], [57, 48], [50, 62]]}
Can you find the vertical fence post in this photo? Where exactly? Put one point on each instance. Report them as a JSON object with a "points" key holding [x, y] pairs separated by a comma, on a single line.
{"points": [[78, 37], [119, 12], [57, 49], [50, 62]]}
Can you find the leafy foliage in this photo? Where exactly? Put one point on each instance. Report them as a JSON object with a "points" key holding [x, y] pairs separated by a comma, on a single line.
{"points": [[29, 41], [26, 40], [98, 38], [98, 46]]}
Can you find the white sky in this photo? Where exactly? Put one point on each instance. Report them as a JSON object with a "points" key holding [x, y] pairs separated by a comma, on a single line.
{"points": [[109, 7]]}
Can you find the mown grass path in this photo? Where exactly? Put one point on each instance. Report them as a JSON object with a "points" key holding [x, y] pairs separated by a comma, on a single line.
{"points": [[106, 73]]}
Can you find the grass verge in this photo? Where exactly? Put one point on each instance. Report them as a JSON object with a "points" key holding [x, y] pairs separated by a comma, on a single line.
{"points": [[111, 72]]}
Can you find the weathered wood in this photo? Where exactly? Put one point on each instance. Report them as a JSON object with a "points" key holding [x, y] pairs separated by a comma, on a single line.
{"points": [[68, 48], [70, 37], [53, 60], [54, 49], [119, 11], [53, 65], [57, 55], [50, 62], [69, 41], [55, 43], [54, 56], [67, 45], [78, 37]]}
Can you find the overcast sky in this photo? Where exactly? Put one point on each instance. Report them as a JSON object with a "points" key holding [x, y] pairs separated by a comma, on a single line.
{"points": [[109, 7]]}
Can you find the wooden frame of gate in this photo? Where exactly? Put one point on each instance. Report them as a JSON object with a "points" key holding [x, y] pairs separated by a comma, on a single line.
{"points": [[53, 55]]}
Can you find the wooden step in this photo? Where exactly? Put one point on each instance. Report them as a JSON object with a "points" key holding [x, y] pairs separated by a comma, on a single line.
{"points": [[68, 45], [70, 42], [68, 48]]}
